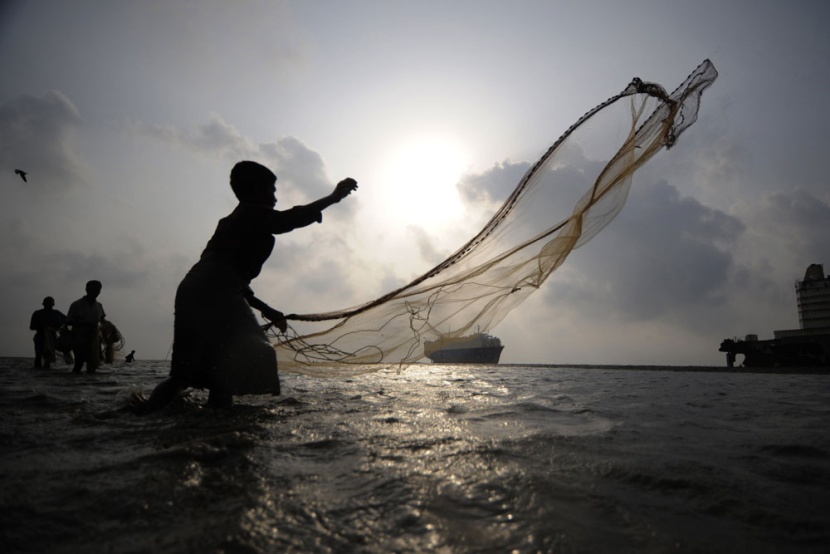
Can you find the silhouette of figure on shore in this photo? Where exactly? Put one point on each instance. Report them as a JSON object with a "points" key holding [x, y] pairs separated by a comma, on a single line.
{"points": [[218, 343], [45, 323], [85, 317], [129, 358]]}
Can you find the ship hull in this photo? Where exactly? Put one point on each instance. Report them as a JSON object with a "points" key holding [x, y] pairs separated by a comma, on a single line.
{"points": [[478, 355]]}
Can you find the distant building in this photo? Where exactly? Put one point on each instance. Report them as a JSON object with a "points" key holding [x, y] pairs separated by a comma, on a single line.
{"points": [[813, 298], [807, 346]]}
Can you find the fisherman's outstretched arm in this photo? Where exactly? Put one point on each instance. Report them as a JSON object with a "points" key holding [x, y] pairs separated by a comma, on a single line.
{"points": [[269, 313], [341, 191]]}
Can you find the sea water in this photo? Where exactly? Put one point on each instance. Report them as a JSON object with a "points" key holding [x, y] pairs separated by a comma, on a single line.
{"points": [[428, 459]]}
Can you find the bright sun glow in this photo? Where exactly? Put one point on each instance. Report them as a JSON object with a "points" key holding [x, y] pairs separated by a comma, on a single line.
{"points": [[418, 181]]}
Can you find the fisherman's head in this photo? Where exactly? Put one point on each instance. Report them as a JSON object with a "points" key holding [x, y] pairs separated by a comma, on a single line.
{"points": [[93, 288], [253, 182], [48, 302]]}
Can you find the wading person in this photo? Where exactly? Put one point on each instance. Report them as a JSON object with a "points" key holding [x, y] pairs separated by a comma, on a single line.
{"points": [[45, 323], [84, 317], [217, 341]]}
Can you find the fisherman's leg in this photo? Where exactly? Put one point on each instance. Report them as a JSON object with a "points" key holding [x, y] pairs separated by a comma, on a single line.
{"points": [[80, 359], [79, 349], [218, 399], [93, 359], [38, 351], [48, 348]]}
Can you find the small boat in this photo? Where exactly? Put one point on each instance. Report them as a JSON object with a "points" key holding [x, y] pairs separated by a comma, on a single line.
{"points": [[480, 348]]}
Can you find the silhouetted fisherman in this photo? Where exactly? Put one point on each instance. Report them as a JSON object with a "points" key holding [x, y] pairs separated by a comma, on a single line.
{"points": [[85, 317], [217, 341], [45, 323]]}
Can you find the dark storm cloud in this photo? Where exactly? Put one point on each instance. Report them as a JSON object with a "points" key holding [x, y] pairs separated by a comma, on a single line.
{"points": [[662, 254], [37, 136], [802, 217]]}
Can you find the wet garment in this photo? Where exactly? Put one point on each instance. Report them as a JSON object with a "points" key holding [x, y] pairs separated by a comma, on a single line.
{"points": [[45, 322], [86, 347], [84, 317], [217, 341], [46, 318], [85, 312]]}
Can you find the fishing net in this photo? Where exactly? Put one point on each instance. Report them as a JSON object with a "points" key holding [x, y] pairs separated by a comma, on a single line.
{"points": [[571, 193]]}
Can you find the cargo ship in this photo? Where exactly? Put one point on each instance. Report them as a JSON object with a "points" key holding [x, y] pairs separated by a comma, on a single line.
{"points": [[808, 346], [480, 348]]}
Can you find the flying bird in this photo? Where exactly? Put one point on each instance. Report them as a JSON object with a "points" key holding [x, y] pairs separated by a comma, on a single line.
{"points": [[22, 174]]}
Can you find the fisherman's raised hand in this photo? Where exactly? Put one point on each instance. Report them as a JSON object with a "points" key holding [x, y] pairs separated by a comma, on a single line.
{"points": [[344, 188], [276, 317]]}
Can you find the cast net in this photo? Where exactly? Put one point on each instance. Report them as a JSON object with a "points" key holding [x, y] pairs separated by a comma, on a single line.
{"points": [[571, 193]]}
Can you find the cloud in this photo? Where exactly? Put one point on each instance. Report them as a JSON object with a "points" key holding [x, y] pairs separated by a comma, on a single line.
{"points": [[801, 217], [785, 232], [38, 135], [493, 185], [426, 247], [664, 254], [300, 169], [667, 262], [38, 263], [317, 276], [298, 166], [661, 241], [216, 138]]}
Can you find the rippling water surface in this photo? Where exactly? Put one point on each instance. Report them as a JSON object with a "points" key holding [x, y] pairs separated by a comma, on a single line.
{"points": [[432, 459]]}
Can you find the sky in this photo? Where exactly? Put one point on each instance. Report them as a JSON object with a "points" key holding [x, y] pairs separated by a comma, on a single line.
{"points": [[128, 117]]}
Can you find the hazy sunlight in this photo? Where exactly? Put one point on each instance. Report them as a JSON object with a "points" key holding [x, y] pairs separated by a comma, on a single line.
{"points": [[418, 181]]}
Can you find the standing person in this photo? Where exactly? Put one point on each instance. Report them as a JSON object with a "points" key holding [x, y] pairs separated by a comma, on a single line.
{"points": [[45, 323], [217, 341], [85, 317]]}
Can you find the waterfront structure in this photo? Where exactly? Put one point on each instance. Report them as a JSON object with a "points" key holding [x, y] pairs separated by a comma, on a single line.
{"points": [[809, 345]]}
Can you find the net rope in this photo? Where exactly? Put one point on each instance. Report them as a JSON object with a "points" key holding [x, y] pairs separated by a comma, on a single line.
{"points": [[519, 247]]}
